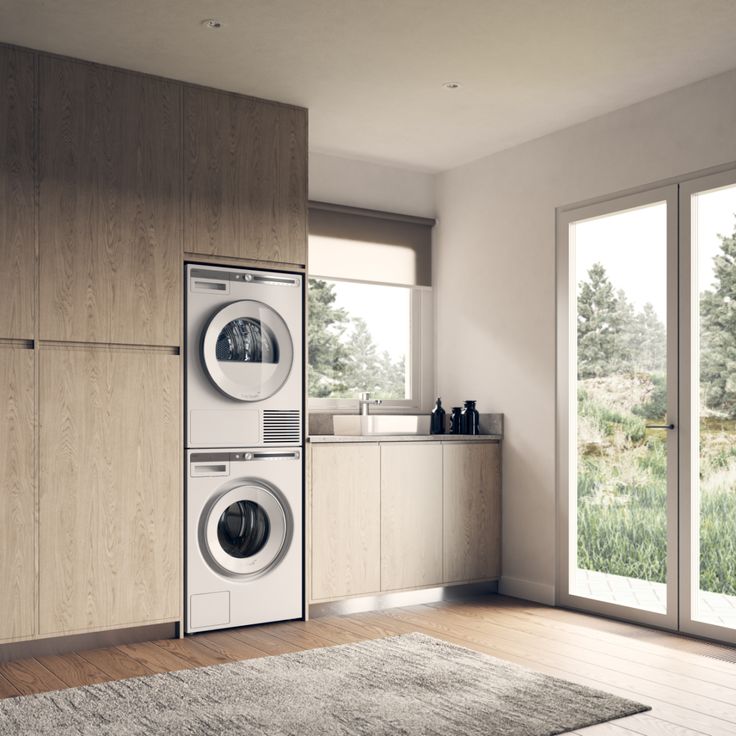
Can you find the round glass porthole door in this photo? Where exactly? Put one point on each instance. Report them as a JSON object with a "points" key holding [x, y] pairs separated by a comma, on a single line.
{"points": [[246, 530], [247, 350]]}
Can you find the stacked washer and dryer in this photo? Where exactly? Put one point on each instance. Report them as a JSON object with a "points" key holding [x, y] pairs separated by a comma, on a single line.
{"points": [[244, 454]]}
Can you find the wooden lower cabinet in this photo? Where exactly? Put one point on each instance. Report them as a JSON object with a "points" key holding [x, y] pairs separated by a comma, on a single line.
{"points": [[411, 515], [401, 515], [110, 480], [472, 511], [17, 495], [346, 518]]}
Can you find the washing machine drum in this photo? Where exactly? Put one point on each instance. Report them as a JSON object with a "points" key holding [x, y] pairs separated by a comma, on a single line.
{"points": [[246, 530], [247, 350]]}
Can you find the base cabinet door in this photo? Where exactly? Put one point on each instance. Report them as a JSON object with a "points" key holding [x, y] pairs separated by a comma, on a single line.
{"points": [[411, 515], [346, 517], [110, 478], [472, 511], [17, 496]]}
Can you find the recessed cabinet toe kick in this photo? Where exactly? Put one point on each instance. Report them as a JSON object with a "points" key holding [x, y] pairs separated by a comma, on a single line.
{"points": [[389, 517]]}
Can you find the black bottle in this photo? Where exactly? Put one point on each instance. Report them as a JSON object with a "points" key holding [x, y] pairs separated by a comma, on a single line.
{"points": [[470, 419], [455, 417], [437, 423]]}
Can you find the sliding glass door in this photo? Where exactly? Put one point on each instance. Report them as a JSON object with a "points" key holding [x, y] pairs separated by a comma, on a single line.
{"points": [[708, 402], [647, 407], [617, 383]]}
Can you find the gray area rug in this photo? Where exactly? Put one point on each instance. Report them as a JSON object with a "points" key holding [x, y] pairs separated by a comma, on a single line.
{"points": [[411, 684]]}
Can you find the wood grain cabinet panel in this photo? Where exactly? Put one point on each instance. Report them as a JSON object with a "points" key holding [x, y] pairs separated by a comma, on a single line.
{"points": [[17, 211], [346, 518], [245, 177], [472, 511], [110, 475], [411, 515], [110, 205], [17, 495]]}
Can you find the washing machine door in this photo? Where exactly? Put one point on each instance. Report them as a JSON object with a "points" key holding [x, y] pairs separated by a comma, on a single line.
{"points": [[247, 350], [246, 530]]}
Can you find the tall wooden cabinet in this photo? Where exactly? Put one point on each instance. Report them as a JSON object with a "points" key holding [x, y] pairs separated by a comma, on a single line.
{"points": [[17, 198], [245, 177], [110, 205], [109, 488], [17, 495]]}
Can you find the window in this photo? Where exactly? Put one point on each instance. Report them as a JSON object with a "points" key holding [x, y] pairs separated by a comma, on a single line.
{"points": [[370, 308]]}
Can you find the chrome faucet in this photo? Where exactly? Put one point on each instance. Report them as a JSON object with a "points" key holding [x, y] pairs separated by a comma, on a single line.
{"points": [[365, 401]]}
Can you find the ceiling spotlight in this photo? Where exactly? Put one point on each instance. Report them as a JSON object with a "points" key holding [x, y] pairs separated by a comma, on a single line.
{"points": [[451, 85], [212, 23]]}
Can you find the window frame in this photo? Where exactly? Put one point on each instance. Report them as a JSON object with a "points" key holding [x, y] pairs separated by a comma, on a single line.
{"points": [[421, 356]]}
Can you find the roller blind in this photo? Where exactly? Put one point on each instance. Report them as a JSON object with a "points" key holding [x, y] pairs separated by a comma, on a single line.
{"points": [[366, 245]]}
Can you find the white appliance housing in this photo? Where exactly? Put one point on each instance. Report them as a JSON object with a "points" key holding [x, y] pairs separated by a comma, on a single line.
{"points": [[244, 537], [244, 357]]}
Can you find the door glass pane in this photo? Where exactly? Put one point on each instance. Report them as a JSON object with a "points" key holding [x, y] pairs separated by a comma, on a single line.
{"points": [[714, 368], [619, 524]]}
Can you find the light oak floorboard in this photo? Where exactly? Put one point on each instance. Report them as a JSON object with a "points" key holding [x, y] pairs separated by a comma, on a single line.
{"points": [[73, 670], [156, 658], [116, 663], [29, 676]]}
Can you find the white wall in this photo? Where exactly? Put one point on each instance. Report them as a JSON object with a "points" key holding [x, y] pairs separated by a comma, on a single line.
{"points": [[495, 281], [374, 186]]}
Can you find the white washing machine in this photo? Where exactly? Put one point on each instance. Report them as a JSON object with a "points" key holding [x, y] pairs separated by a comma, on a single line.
{"points": [[244, 357], [244, 537]]}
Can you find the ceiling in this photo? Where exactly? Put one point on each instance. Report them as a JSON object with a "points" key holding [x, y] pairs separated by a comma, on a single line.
{"points": [[371, 71]]}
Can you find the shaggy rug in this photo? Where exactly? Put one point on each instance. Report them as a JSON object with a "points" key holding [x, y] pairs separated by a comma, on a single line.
{"points": [[410, 684]]}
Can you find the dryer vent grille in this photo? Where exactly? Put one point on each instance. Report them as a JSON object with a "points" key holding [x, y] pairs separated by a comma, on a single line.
{"points": [[281, 427]]}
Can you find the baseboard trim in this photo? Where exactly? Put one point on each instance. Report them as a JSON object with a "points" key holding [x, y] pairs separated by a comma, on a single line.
{"points": [[527, 590], [95, 640], [402, 598]]}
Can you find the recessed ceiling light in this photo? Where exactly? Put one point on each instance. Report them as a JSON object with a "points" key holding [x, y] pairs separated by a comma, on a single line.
{"points": [[212, 23], [451, 85]]}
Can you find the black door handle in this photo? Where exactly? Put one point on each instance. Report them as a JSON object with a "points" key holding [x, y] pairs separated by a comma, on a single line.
{"points": [[659, 426]]}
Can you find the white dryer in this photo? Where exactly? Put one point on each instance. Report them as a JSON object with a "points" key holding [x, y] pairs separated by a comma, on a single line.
{"points": [[244, 537], [244, 340]]}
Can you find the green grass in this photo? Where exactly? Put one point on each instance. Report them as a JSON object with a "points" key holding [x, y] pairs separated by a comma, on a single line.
{"points": [[622, 525]]}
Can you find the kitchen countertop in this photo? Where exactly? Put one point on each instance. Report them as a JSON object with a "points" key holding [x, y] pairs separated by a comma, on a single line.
{"points": [[405, 438]]}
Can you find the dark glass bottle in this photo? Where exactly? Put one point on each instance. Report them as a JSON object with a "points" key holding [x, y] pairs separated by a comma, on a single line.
{"points": [[470, 419], [437, 423], [455, 427]]}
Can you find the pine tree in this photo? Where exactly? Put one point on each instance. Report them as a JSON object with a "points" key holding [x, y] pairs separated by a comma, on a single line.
{"points": [[328, 355], [718, 333], [598, 325]]}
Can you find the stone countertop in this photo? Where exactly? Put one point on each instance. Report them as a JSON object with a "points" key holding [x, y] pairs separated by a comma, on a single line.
{"points": [[405, 438]]}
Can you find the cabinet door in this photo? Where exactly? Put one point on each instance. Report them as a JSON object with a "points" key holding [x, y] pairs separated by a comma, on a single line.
{"points": [[346, 517], [472, 511], [245, 177], [411, 515], [110, 205], [17, 215], [17, 498], [110, 498]]}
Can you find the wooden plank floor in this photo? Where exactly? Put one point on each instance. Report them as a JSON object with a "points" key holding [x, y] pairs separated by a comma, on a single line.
{"points": [[690, 693]]}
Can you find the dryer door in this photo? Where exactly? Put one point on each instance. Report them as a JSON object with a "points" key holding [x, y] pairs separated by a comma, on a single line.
{"points": [[247, 350], [246, 530]]}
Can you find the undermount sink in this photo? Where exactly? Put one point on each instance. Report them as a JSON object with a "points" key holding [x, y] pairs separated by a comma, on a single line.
{"points": [[380, 424]]}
